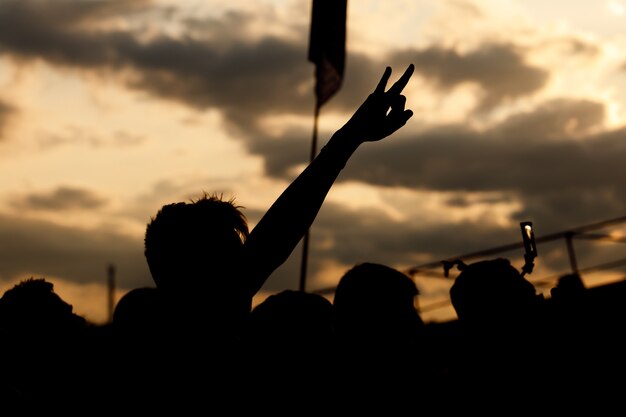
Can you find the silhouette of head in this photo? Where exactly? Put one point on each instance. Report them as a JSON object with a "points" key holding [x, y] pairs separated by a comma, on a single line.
{"points": [[33, 307], [376, 299], [293, 316], [492, 289], [140, 311], [290, 340], [380, 337], [569, 285], [185, 242]]}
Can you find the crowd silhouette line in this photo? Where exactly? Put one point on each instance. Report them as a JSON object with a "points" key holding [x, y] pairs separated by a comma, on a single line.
{"points": [[194, 342]]}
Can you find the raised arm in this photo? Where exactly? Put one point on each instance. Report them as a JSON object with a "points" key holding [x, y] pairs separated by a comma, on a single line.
{"points": [[277, 234]]}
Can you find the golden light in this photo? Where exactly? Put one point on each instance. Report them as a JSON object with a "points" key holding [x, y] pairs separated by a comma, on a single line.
{"points": [[616, 8]]}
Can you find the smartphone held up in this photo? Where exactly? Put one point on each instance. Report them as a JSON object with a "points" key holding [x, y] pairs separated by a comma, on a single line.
{"points": [[530, 246]]}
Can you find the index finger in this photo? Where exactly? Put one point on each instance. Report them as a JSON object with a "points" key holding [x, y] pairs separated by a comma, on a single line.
{"points": [[380, 88], [399, 85]]}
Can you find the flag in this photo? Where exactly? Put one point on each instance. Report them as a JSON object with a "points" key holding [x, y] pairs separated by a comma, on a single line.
{"points": [[327, 46]]}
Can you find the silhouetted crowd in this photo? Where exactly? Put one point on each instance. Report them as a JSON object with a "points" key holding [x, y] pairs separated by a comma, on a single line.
{"points": [[368, 349], [194, 345]]}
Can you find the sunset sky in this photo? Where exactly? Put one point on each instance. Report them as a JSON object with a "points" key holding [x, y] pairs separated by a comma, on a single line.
{"points": [[110, 109]]}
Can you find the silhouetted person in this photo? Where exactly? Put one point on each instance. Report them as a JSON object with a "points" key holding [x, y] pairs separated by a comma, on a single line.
{"points": [[383, 353], [142, 342], [375, 304], [588, 324], [492, 292], [296, 323], [42, 342], [32, 308], [571, 312], [209, 267], [504, 337], [140, 314], [201, 253], [291, 341]]}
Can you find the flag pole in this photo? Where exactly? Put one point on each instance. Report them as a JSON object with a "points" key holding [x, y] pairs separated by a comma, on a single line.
{"points": [[111, 291], [327, 44], [305, 242]]}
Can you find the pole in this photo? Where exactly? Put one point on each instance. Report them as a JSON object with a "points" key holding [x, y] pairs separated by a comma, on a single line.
{"points": [[111, 290], [305, 242]]}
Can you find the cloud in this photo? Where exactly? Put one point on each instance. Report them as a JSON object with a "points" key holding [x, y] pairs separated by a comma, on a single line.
{"points": [[563, 119], [245, 77], [58, 31], [6, 111], [380, 239], [224, 64], [39, 248], [216, 64], [499, 69], [550, 159], [551, 146], [534, 157], [60, 199]]}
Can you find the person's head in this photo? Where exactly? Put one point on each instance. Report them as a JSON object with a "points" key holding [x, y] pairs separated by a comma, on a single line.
{"points": [[139, 312], [375, 298], [491, 290], [187, 240], [32, 307], [293, 317]]}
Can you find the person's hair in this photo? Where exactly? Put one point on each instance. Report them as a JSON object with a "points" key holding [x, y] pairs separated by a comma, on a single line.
{"points": [[183, 237], [33, 304], [293, 315], [375, 292], [491, 288]]}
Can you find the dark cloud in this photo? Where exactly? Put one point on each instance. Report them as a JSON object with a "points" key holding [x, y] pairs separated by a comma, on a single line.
{"points": [[499, 69], [70, 12], [6, 111], [60, 199], [556, 119], [246, 78], [58, 31], [45, 249], [382, 239], [539, 150], [549, 160]]}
